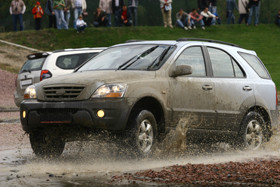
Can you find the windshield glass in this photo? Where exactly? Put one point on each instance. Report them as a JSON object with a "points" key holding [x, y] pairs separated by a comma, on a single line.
{"points": [[33, 65], [130, 57]]}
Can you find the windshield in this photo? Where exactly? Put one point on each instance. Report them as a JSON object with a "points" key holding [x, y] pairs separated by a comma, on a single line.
{"points": [[130, 57], [32, 65]]}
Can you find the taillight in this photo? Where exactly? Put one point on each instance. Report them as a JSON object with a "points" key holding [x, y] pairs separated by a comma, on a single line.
{"points": [[45, 74]]}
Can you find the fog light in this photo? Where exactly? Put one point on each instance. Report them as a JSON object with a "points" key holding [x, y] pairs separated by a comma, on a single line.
{"points": [[24, 114], [100, 113]]}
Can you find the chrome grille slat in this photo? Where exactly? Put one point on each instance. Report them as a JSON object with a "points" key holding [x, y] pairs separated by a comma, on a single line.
{"points": [[62, 92]]}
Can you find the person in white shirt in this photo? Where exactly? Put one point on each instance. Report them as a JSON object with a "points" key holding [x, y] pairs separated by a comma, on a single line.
{"points": [[80, 24], [79, 7], [207, 16]]}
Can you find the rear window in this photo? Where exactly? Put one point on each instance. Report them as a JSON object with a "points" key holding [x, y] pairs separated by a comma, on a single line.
{"points": [[73, 61], [33, 65], [256, 64]]}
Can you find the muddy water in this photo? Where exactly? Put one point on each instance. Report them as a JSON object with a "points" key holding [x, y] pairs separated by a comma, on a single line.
{"points": [[93, 163]]}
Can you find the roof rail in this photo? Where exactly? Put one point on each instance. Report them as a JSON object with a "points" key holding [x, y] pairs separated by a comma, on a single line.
{"points": [[206, 40], [130, 41]]}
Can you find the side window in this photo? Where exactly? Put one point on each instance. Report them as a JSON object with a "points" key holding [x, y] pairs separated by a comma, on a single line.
{"points": [[221, 63], [193, 57], [72, 61], [256, 64], [239, 73]]}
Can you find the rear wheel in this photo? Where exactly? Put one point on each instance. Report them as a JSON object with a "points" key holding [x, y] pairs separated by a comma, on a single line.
{"points": [[252, 131], [143, 136], [46, 144]]}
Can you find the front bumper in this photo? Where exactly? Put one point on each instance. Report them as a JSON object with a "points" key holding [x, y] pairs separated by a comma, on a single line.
{"points": [[75, 114]]}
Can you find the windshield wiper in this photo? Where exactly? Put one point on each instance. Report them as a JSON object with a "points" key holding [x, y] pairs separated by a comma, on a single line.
{"points": [[127, 64], [159, 59]]}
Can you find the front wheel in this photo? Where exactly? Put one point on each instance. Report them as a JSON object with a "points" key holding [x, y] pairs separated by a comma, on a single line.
{"points": [[46, 145], [144, 133], [252, 131]]}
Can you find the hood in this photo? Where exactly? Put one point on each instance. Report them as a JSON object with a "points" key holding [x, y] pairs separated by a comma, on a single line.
{"points": [[91, 80]]}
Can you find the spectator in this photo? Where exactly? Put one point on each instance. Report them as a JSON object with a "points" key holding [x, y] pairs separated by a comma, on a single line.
{"points": [[81, 24], [117, 11], [79, 7], [125, 19], [183, 20], [50, 12], [38, 12], [106, 6], [195, 18], [243, 11], [166, 10], [67, 13], [17, 10], [132, 10], [58, 6], [231, 5], [100, 18], [277, 19], [202, 4], [213, 6], [254, 6], [207, 16]]}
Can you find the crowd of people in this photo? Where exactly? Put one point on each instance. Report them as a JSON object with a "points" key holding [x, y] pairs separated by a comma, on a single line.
{"points": [[206, 14]]}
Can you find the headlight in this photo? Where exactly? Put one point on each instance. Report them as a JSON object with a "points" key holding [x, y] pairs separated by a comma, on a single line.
{"points": [[30, 92], [110, 90]]}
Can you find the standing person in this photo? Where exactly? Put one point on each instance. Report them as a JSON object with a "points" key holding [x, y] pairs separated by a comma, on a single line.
{"points": [[79, 7], [17, 10], [132, 10], [67, 13], [277, 18], [58, 6], [243, 11], [166, 10], [183, 20], [106, 6], [50, 12], [207, 16], [195, 18], [117, 11], [213, 10], [254, 7], [38, 12], [231, 5]]}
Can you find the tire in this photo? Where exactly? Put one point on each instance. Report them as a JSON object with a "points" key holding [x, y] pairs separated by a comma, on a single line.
{"points": [[46, 145], [143, 136], [252, 131]]}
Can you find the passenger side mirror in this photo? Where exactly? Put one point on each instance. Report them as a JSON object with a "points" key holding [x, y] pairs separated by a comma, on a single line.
{"points": [[181, 70]]}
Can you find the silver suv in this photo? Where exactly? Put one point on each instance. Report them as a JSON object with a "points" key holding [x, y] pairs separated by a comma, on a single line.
{"points": [[141, 90], [40, 66]]}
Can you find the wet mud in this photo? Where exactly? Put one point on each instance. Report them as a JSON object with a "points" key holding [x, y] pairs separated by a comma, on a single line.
{"points": [[106, 163]]}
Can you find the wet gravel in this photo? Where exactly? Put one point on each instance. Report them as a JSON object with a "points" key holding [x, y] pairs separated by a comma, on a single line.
{"points": [[253, 173]]}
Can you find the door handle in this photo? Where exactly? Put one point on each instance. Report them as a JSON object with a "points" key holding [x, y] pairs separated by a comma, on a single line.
{"points": [[247, 88], [207, 87]]}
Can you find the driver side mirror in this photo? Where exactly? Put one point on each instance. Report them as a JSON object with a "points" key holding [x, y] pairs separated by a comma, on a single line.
{"points": [[181, 70]]}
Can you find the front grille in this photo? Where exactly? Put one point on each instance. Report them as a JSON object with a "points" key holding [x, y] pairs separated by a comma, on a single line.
{"points": [[63, 92]]}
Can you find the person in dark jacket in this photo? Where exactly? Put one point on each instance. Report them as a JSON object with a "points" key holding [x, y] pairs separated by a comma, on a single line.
{"points": [[254, 6], [50, 12], [277, 18], [132, 9], [100, 18], [117, 11]]}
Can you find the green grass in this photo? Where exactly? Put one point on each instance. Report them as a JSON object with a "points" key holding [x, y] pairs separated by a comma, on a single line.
{"points": [[264, 39]]}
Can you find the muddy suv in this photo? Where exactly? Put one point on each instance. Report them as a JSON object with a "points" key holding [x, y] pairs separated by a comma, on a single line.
{"points": [[140, 90]]}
